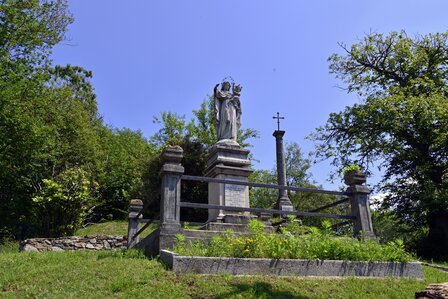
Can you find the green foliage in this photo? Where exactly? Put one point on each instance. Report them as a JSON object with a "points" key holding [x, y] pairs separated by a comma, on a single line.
{"points": [[265, 198], [50, 129], [394, 64], [127, 158], [351, 168], [47, 129], [172, 132], [401, 124], [62, 203], [28, 31], [202, 128], [317, 244], [297, 166]]}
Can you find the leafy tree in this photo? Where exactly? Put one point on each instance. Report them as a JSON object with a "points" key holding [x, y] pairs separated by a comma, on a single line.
{"points": [[126, 159], [265, 198], [173, 129], [296, 165], [62, 202], [47, 129], [28, 31], [49, 122], [401, 124], [201, 128]]}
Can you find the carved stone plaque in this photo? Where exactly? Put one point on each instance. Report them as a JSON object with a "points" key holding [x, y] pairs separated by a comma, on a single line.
{"points": [[235, 195]]}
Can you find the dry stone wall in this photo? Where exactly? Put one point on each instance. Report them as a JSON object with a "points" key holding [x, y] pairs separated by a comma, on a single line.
{"points": [[74, 243]]}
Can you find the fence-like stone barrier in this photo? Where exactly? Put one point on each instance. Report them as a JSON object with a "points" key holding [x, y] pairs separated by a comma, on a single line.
{"points": [[74, 243]]}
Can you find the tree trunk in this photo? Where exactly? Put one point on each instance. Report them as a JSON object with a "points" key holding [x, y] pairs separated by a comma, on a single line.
{"points": [[436, 245]]}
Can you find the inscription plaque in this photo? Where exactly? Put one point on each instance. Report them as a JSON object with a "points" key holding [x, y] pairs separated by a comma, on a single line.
{"points": [[234, 195]]}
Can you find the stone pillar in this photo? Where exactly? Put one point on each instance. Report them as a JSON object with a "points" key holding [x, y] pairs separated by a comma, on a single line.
{"points": [[171, 174], [228, 161], [283, 202], [359, 201], [135, 207]]}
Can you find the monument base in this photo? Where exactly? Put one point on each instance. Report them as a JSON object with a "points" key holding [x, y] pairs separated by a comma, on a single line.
{"points": [[285, 205], [227, 160]]}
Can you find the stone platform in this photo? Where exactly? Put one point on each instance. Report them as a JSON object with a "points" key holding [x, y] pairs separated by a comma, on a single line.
{"points": [[288, 267]]}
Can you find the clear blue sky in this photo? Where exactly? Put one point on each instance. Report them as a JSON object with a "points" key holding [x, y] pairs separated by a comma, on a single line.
{"points": [[154, 56]]}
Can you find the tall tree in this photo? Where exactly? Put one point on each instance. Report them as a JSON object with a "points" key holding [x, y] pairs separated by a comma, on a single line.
{"points": [[401, 124], [125, 161], [28, 31]]}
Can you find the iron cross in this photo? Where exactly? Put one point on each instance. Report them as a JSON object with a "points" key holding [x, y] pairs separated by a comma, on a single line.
{"points": [[278, 117]]}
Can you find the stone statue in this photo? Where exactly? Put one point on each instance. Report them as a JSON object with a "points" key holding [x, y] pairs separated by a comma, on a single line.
{"points": [[228, 111]]}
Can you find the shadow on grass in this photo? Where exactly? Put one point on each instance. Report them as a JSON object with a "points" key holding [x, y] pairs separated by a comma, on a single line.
{"points": [[259, 290]]}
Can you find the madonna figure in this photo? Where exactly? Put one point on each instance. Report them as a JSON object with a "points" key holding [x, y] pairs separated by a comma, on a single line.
{"points": [[228, 111]]}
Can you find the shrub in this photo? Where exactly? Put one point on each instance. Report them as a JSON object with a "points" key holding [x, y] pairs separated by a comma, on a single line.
{"points": [[62, 202]]}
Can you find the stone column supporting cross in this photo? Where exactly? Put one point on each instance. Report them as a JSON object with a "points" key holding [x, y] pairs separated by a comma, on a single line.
{"points": [[283, 202], [171, 174]]}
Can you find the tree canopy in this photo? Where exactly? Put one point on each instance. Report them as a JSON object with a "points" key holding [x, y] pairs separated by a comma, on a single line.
{"points": [[400, 124], [57, 158]]}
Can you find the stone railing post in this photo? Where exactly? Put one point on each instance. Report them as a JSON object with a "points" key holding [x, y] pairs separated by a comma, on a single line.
{"points": [[135, 208], [171, 174], [359, 202]]}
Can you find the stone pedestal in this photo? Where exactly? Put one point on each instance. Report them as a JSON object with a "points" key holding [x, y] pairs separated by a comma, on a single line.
{"points": [[135, 208], [171, 173], [227, 160], [359, 202]]}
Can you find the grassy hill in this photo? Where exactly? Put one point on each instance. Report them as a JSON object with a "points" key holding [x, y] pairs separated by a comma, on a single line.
{"points": [[126, 274]]}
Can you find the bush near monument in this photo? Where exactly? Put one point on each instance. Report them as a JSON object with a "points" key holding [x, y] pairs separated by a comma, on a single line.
{"points": [[316, 245]]}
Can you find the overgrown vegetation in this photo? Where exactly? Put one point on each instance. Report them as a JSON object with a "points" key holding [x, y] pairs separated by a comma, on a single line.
{"points": [[318, 244]]}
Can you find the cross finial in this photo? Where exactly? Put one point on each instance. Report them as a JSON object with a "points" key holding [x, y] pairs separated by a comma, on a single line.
{"points": [[278, 117]]}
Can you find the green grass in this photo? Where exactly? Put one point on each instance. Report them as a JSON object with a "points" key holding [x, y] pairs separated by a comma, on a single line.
{"points": [[126, 274], [114, 228]]}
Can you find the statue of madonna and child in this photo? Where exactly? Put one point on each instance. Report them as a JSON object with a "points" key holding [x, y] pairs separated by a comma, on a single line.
{"points": [[228, 112]]}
